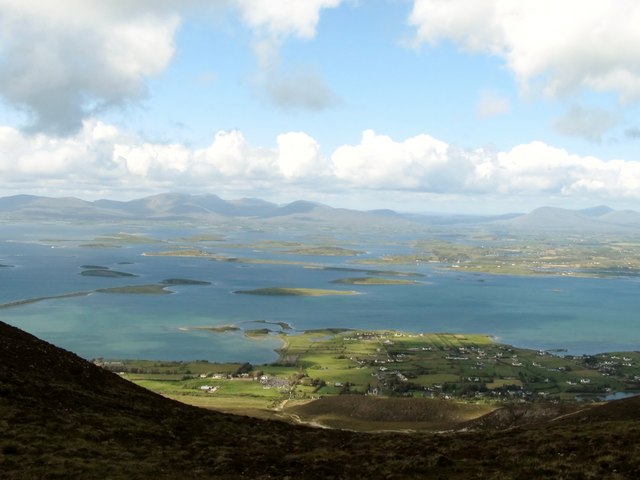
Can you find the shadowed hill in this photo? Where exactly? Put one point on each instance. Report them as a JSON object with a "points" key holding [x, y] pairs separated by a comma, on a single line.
{"points": [[62, 417]]}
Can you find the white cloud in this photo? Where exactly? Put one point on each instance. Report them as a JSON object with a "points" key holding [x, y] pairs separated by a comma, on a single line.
{"points": [[273, 21], [282, 18], [299, 156], [63, 60], [233, 157], [424, 164], [566, 45], [100, 158], [380, 162]]}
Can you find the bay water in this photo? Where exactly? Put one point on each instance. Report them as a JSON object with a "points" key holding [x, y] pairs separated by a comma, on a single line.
{"points": [[579, 315]]}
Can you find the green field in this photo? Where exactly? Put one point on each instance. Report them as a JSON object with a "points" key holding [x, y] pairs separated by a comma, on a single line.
{"points": [[574, 255], [386, 364]]}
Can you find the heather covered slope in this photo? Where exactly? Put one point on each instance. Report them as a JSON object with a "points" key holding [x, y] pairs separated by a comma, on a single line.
{"points": [[62, 417]]}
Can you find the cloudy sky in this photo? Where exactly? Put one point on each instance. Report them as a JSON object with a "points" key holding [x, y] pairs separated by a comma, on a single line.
{"points": [[418, 105]]}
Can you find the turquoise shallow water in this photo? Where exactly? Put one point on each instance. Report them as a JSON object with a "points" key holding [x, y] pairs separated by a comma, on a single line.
{"points": [[580, 315]]}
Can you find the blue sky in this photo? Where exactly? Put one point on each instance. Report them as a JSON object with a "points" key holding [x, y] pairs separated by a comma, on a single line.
{"points": [[423, 105]]}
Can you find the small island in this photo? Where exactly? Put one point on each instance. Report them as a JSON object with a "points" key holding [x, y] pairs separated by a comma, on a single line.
{"points": [[283, 325], [99, 272], [152, 289], [371, 272], [185, 252], [183, 281], [375, 281], [233, 327], [218, 329], [125, 238], [325, 251], [258, 332], [296, 292]]}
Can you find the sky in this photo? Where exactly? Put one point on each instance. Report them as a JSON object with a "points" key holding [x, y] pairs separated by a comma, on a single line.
{"points": [[469, 106]]}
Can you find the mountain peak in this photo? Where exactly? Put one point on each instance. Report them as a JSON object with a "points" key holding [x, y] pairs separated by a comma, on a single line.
{"points": [[596, 211]]}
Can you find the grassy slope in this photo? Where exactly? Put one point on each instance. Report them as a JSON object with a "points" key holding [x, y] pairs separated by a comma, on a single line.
{"points": [[361, 412], [62, 417]]}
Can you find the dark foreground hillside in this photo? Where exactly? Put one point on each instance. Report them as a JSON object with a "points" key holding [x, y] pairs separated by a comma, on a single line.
{"points": [[62, 417]]}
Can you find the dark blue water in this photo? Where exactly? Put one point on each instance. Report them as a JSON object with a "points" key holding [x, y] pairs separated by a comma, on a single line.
{"points": [[577, 314]]}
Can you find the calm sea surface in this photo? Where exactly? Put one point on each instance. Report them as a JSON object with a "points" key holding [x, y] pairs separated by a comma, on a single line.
{"points": [[580, 315]]}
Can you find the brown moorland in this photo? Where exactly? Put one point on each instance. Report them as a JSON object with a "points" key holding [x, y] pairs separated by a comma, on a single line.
{"points": [[63, 417]]}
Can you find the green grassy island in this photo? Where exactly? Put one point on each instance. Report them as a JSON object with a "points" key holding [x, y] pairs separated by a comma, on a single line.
{"points": [[147, 289], [364, 271], [221, 329], [283, 326], [257, 332], [105, 273], [375, 281], [151, 289], [186, 252], [325, 251], [183, 281], [125, 238], [213, 329], [295, 292]]}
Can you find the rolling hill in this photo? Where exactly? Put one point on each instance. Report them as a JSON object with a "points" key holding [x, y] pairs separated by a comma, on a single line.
{"points": [[63, 417], [177, 207], [209, 208], [599, 219]]}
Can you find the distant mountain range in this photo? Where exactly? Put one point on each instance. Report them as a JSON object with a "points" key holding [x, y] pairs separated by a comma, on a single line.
{"points": [[166, 206], [596, 219], [211, 208]]}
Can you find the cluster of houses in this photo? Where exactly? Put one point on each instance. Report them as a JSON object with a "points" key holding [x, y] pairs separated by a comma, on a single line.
{"points": [[209, 389], [384, 358], [266, 381], [273, 382]]}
